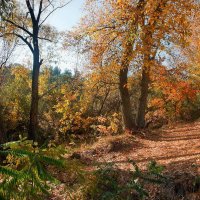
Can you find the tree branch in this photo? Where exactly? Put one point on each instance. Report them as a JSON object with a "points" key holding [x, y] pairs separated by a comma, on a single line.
{"points": [[41, 61], [31, 11], [54, 11], [40, 11], [41, 38], [50, 4], [25, 41], [18, 26]]}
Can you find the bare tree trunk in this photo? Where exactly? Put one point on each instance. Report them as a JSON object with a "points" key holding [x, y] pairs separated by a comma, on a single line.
{"points": [[30, 38], [142, 105], [149, 56], [149, 59], [33, 125], [123, 88], [125, 100], [129, 122]]}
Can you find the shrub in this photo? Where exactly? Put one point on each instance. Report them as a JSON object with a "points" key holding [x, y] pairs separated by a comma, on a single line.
{"points": [[24, 173], [110, 183]]}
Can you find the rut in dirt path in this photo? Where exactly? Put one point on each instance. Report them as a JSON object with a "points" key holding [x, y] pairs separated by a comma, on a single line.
{"points": [[180, 144]]}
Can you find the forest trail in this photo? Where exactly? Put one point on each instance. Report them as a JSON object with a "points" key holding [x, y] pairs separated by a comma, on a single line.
{"points": [[177, 148], [172, 146]]}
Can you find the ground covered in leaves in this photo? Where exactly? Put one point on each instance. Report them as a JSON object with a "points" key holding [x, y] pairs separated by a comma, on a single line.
{"points": [[177, 147]]}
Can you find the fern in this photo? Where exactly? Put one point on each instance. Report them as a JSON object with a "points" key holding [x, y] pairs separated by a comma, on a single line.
{"points": [[29, 178], [51, 161], [10, 172], [44, 175]]}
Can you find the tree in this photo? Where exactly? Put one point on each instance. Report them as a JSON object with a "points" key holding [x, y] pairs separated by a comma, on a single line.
{"points": [[158, 28], [130, 35], [28, 26], [15, 101], [112, 35], [125, 64]]}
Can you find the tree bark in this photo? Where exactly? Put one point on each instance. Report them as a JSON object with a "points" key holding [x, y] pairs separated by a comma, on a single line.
{"points": [[125, 100], [34, 101], [142, 105], [129, 122], [149, 56], [33, 124], [123, 88]]}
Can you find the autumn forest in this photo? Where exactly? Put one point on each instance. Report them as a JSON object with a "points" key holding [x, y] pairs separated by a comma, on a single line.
{"points": [[122, 123]]}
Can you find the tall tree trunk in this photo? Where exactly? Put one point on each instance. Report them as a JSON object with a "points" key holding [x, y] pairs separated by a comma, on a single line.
{"points": [[149, 55], [125, 100], [33, 125], [142, 105], [123, 87], [129, 122]]}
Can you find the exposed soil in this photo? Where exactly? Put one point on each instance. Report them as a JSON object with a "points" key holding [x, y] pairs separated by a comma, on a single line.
{"points": [[177, 144]]}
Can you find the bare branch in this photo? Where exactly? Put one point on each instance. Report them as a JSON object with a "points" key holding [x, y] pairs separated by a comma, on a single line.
{"points": [[25, 41], [42, 38], [40, 11], [50, 4], [31, 11], [59, 7], [18, 26], [41, 61]]}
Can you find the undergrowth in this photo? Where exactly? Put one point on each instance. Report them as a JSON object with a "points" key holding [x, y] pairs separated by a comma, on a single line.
{"points": [[110, 183], [24, 173]]}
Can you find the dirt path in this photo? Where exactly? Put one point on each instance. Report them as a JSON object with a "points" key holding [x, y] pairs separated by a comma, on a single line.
{"points": [[177, 148], [175, 145]]}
